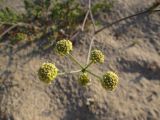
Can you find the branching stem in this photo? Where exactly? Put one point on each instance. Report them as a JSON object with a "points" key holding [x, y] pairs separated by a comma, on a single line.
{"points": [[74, 60], [87, 66], [115, 22]]}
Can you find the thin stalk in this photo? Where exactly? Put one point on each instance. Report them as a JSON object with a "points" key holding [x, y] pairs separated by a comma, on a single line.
{"points": [[90, 48], [71, 72], [84, 21], [93, 74], [13, 25], [93, 21], [88, 65], [125, 18], [74, 60], [8, 30]]}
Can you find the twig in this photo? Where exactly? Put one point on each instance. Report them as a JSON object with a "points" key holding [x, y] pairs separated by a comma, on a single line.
{"points": [[92, 20], [94, 26], [84, 21], [13, 25], [6, 31], [89, 4], [61, 31], [89, 64], [86, 16], [151, 9], [6, 23], [18, 24], [90, 48], [91, 15], [155, 5], [74, 35], [125, 18]]}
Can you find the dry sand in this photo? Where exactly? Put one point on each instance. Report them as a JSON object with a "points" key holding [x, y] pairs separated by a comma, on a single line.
{"points": [[24, 97]]}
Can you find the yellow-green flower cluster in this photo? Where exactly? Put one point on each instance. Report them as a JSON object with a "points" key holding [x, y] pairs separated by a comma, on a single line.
{"points": [[63, 47], [47, 72], [97, 56], [83, 79], [109, 80]]}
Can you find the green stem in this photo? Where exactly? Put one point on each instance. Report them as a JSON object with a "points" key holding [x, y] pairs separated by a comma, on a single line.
{"points": [[71, 72], [84, 69], [73, 59], [93, 74]]}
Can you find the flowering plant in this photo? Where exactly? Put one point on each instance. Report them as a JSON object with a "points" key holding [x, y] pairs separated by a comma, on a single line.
{"points": [[48, 71]]}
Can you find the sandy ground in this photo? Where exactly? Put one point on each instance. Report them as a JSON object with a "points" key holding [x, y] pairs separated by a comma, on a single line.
{"points": [[24, 97]]}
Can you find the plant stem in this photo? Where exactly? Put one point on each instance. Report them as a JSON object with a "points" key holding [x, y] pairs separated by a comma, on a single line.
{"points": [[125, 18], [9, 29], [90, 48], [84, 21], [93, 74], [71, 72], [73, 59], [88, 65], [13, 25]]}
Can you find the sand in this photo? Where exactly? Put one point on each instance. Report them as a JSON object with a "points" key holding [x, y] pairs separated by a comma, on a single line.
{"points": [[132, 49]]}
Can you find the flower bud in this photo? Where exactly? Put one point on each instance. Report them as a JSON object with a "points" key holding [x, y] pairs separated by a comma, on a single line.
{"points": [[97, 56], [109, 80], [63, 47], [47, 72], [83, 79]]}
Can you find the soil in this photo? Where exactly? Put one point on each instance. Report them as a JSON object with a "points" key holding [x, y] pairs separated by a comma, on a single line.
{"points": [[132, 49]]}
